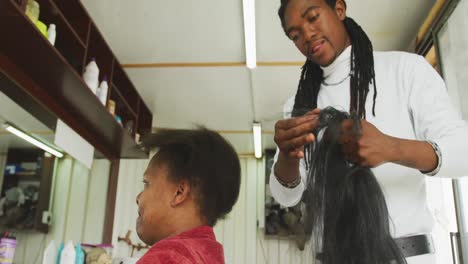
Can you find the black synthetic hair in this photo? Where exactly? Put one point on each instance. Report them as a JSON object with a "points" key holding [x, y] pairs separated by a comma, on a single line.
{"points": [[206, 160], [345, 210], [362, 69]]}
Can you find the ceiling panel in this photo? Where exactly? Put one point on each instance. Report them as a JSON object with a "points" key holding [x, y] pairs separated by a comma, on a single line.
{"points": [[219, 98], [390, 24], [151, 31], [272, 43], [273, 86]]}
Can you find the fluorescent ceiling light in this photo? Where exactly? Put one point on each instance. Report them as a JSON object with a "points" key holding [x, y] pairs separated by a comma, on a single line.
{"points": [[33, 140], [257, 134], [249, 32]]}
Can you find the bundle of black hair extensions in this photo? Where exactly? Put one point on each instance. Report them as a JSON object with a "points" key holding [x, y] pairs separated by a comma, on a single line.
{"points": [[346, 213]]}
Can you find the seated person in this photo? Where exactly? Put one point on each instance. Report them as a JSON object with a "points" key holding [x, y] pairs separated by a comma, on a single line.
{"points": [[190, 183]]}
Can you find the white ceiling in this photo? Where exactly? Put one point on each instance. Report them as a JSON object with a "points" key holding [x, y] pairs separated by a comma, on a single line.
{"points": [[226, 98]]}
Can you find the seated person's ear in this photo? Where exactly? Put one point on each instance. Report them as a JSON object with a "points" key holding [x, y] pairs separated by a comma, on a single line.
{"points": [[181, 194]]}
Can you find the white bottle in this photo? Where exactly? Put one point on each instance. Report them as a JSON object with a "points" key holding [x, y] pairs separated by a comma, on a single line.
{"points": [[102, 91], [52, 34], [50, 254], [91, 75], [68, 254]]}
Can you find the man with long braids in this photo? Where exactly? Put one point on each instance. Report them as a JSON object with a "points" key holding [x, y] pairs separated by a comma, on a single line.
{"points": [[409, 128]]}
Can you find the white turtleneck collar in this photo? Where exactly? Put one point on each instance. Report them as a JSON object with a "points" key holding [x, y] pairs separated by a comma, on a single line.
{"points": [[339, 68]]}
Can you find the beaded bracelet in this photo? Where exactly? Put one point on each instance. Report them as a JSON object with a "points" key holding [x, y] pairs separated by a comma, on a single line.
{"points": [[438, 153], [290, 185]]}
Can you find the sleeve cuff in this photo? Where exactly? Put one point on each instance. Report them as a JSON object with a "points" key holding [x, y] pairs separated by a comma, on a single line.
{"points": [[438, 153], [285, 196], [454, 152]]}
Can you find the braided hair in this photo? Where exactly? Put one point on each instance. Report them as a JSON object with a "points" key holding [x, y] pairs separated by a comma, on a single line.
{"points": [[362, 70]]}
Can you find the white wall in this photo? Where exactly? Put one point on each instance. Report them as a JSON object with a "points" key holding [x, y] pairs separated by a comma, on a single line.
{"points": [[73, 216], [128, 186], [96, 202]]}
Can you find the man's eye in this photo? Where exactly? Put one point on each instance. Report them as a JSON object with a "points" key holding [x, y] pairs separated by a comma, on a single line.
{"points": [[313, 18], [294, 38]]}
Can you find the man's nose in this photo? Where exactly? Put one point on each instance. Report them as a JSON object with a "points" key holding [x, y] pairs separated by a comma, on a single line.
{"points": [[137, 199], [310, 33]]}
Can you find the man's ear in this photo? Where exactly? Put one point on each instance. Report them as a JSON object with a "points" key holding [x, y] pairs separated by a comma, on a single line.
{"points": [[340, 9], [181, 194]]}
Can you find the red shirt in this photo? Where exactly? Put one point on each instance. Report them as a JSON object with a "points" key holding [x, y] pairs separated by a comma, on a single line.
{"points": [[198, 246]]}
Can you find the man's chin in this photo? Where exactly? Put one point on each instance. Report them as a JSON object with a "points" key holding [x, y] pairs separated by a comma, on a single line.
{"points": [[143, 238], [325, 60], [141, 234], [139, 228]]}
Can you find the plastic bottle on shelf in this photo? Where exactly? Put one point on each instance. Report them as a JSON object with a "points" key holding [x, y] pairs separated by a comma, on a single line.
{"points": [[119, 120], [102, 91], [80, 255], [59, 253], [42, 28], [50, 254], [91, 75], [111, 107], [32, 11], [68, 255], [52, 34], [7, 248]]}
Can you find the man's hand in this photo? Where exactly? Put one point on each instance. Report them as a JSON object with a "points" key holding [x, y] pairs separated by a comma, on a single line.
{"points": [[372, 148], [291, 135]]}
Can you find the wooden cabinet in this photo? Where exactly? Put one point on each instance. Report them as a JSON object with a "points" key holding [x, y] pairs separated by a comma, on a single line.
{"points": [[50, 76]]}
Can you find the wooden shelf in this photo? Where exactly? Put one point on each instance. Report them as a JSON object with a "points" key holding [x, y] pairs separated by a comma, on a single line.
{"points": [[52, 75], [20, 4], [29, 178], [99, 51], [115, 93], [125, 88], [122, 109], [145, 119], [76, 14], [51, 14], [67, 42]]}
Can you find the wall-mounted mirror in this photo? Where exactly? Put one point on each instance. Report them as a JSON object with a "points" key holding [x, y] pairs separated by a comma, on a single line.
{"points": [[46, 195], [26, 168]]}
